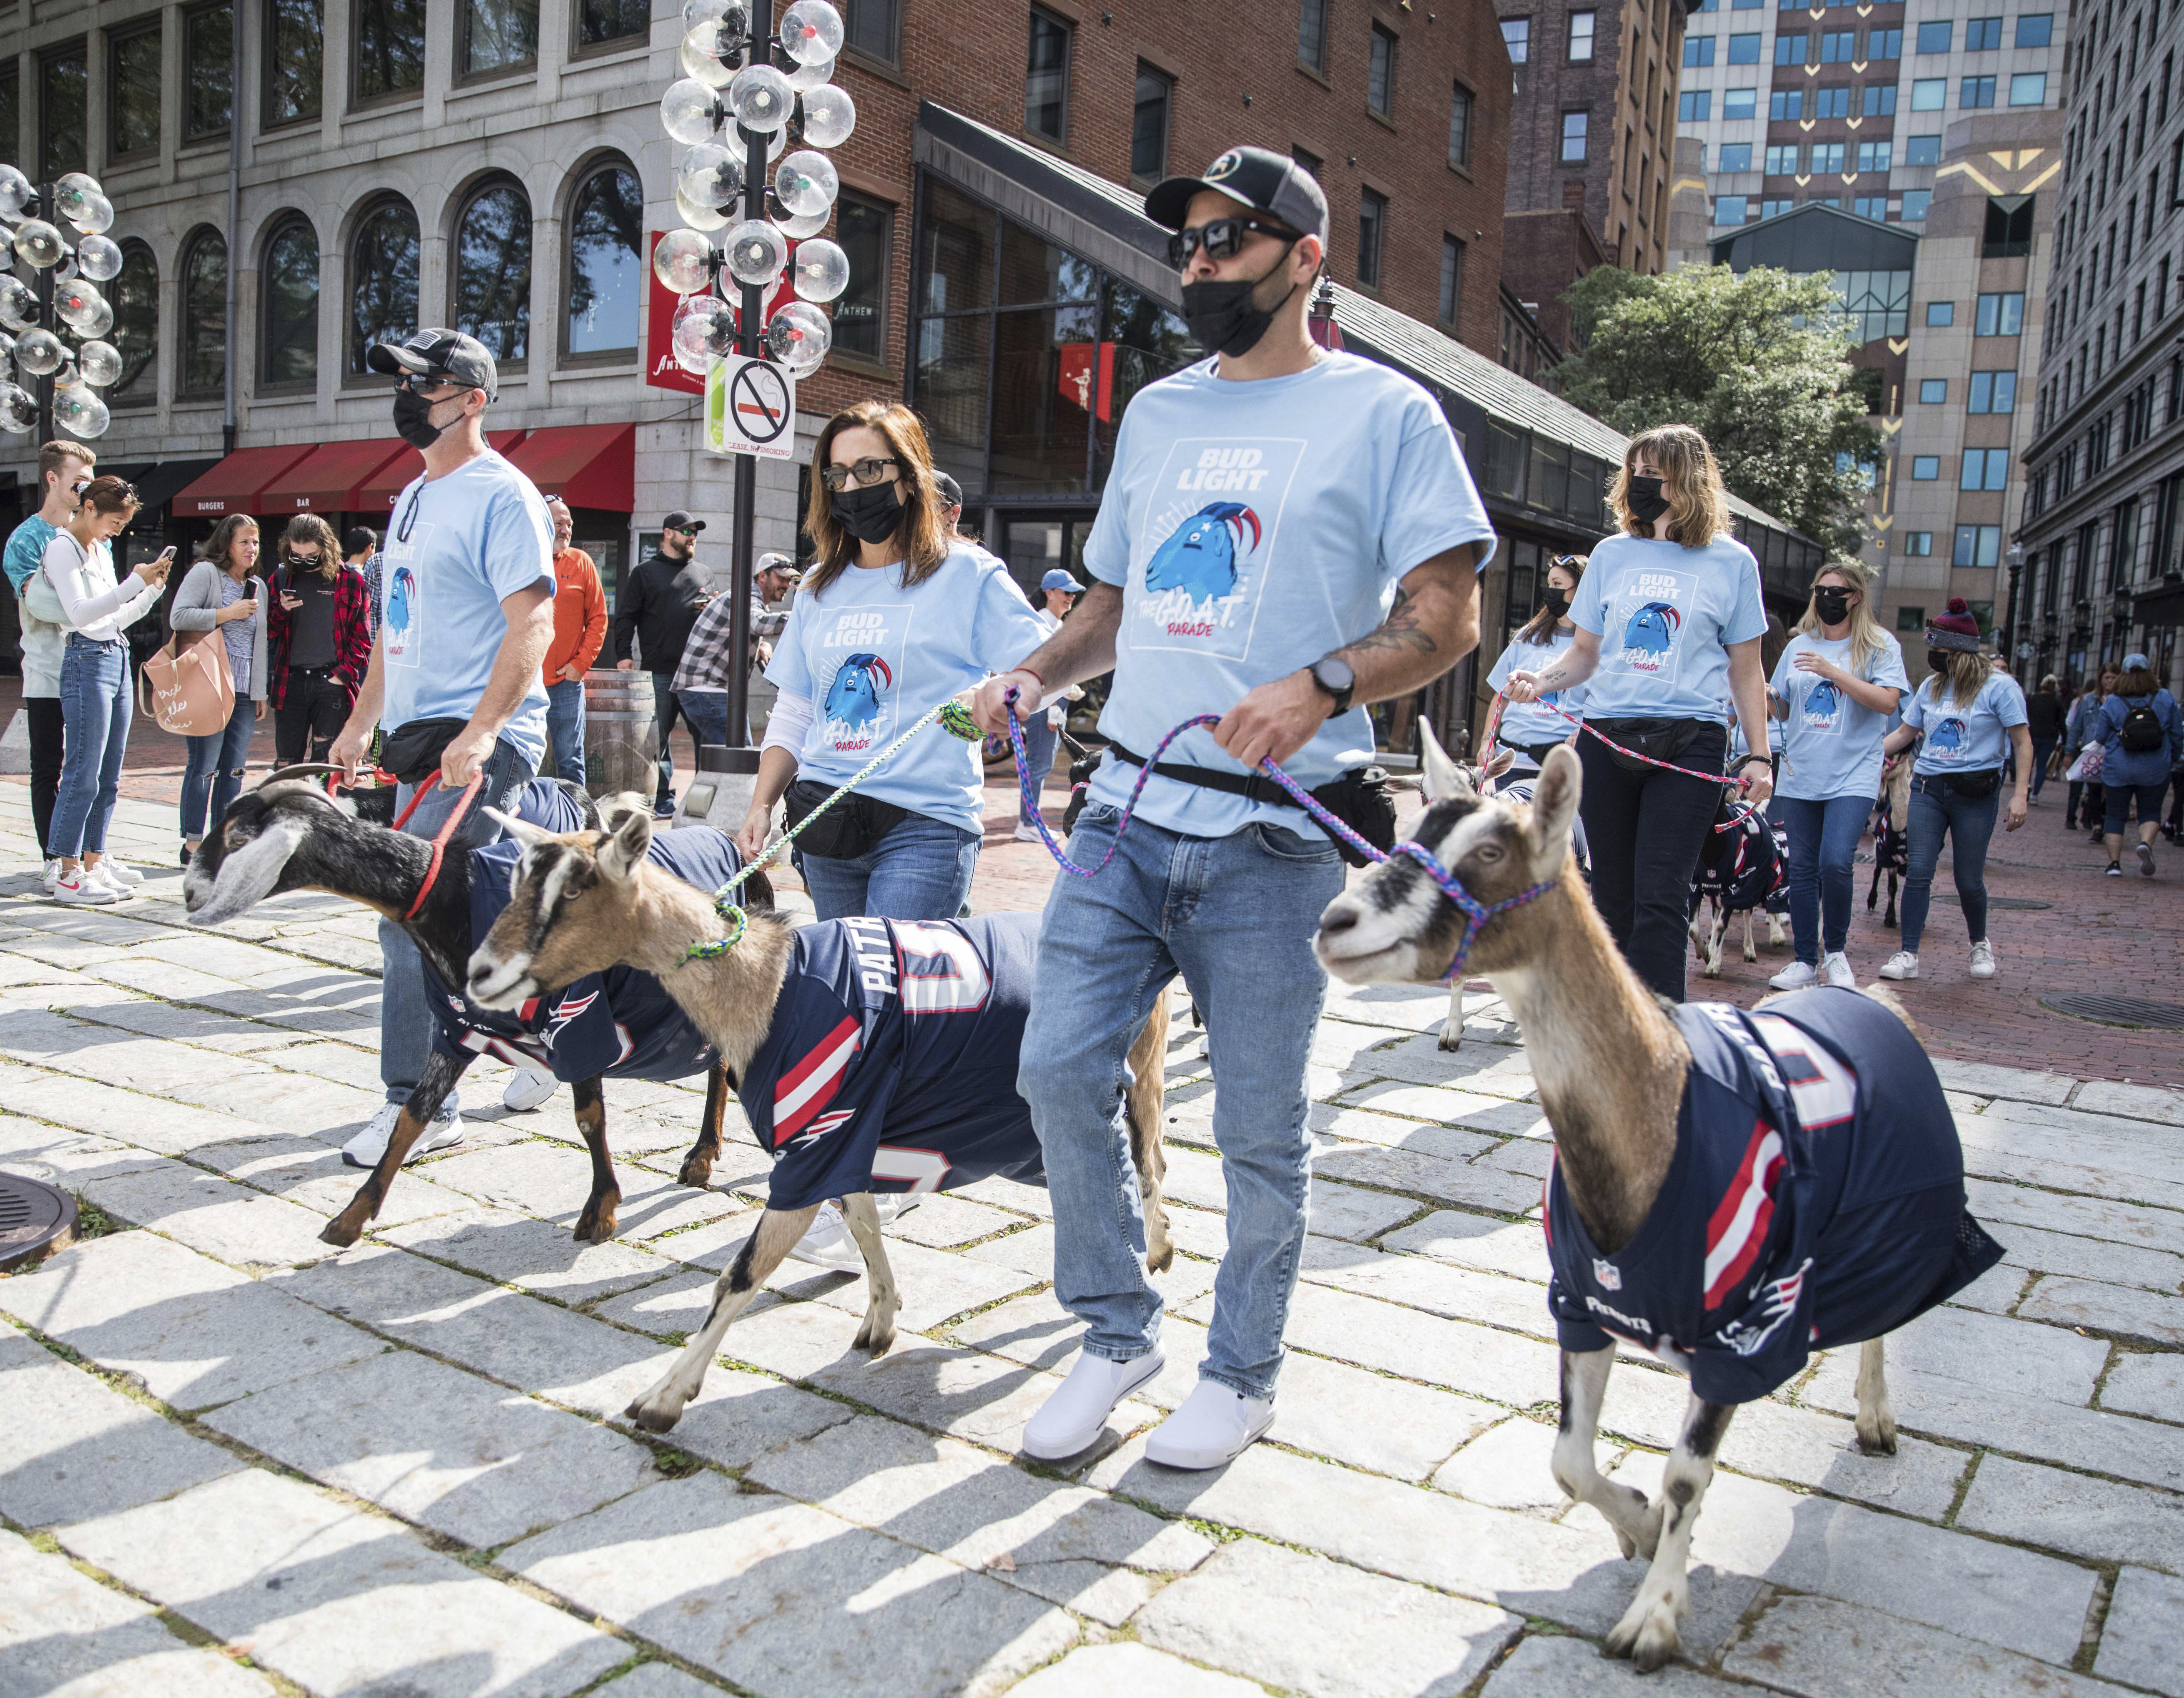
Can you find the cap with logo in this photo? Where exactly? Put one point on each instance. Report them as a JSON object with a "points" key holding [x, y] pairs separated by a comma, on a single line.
{"points": [[775, 561], [680, 520], [1266, 182], [447, 354], [1060, 579]]}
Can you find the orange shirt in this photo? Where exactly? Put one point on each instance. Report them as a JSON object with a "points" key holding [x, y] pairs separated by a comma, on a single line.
{"points": [[580, 614]]}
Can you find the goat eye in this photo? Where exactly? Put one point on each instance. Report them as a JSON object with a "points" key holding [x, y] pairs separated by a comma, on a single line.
{"points": [[1489, 852]]}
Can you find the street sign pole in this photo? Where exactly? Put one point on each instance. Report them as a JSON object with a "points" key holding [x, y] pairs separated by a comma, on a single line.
{"points": [[747, 344]]}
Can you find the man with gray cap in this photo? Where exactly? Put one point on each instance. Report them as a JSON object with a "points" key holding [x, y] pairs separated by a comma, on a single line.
{"points": [[1287, 535], [466, 613], [701, 678]]}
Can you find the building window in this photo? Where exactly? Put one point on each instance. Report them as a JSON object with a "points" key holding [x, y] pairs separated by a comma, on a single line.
{"points": [[1915, 202], [1739, 102], [1311, 162], [2008, 234], [11, 104], [1934, 38], [1148, 124], [1695, 106], [1983, 35], [1517, 37], [2029, 88], [1580, 38], [1884, 44], [1873, 156], [864, 230], [63, 82], [1046, 77], [1735, 156], [389, 52], [1730, 208], [1832, 102], [1838, 46], [1975, 92], [1878, 302], [1312, 33], [601, 23], [1874, 207], [1698, 50], [1774, 209], [288, 307], [1451, 280], [1743, 49], [134, 294], [382, 280], [1573, 131], [2000, 315], [493, 270], [1978, 545], [1929, 94], [1459, 126], [1786, 105], [1880, 100], [606, 275], [1371, 222], [1781, 159], [1922, 150], [1985, 468], [208, 42], [1380, 72], [2036, 28], [1924, 468], [1933, 391], [1790, 48], [1993, 391], [133, 92], [204, 317], [294, 46], [497, 37]]}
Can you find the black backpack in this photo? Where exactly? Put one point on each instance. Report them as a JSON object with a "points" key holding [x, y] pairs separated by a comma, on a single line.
{"points": [[2141, 733]]}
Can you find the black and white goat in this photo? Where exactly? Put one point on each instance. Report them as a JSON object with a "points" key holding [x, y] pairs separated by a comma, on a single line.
{"points": [[1744, 867]]}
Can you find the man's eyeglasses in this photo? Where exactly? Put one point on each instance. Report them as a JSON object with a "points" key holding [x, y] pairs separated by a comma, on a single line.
{"points": [[1221, 239], [867, 470], [431, 379]]}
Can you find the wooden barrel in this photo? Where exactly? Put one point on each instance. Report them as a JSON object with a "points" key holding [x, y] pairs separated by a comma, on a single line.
{"points": [[621, 740]]}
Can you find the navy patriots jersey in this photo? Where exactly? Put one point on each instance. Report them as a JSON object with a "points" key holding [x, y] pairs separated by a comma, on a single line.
{"points": [[620, 1022], [891, 1063], [1816, 1199]]}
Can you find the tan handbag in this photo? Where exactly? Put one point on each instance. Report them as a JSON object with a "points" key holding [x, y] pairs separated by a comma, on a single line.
{"points": [[192, 692]]}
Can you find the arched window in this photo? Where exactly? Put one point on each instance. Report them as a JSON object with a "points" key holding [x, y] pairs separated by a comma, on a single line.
{"points": [[605, 273], [134, 294], [288, 308], [493, 270], [383, 280], [204, 316]]}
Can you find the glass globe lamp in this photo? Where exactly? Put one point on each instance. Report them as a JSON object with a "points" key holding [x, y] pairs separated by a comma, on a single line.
{"points": [[98, 259], [829, 115], [16, 193], [689, 111], [819, 271], [810, 30], [707, 218], [79, 410], [756, 251], [38, 243], [39, 353], [799, 337], [806, 183], [709, 175], [99, 363], [761, 98], [19, 304], [77, 301], [683, 261]]}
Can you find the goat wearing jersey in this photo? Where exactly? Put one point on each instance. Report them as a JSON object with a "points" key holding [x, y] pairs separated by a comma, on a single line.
{"points": [[1816, 1199], [891, 1063]]}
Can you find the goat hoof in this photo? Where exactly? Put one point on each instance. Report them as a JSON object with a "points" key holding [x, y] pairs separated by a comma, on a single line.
{"points": [[653, 1417], [1647, 1634], [338, 1231], [1160, 1258], [697, 1173], [874, 1339], [595, 1229], [1880, 1439], [1451, 1038]]}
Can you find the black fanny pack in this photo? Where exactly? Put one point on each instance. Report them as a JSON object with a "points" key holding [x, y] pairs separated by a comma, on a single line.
{"points": [[412, 753], [1536, 753], [1661, 739], [1360, 798], [852, 828], [1973, 786]]}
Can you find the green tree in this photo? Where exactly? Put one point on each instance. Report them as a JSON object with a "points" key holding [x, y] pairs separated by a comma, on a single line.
{"points": [[1758, 362]]}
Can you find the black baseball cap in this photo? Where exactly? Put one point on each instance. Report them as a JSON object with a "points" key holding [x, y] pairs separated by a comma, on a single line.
{"points": [[680, 520], [1266, 182], [447, 354], [951, 493]]}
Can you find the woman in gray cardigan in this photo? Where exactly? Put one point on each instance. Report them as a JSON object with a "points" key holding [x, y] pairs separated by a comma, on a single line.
{"points": [[220, 595]]}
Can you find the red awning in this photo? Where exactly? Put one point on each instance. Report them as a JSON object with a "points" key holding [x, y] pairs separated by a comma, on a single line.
{"points": [[587, 465], [328, 478], [376, 493], [235, 484]]}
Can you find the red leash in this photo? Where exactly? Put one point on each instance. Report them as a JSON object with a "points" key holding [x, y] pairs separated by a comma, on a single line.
{"points": [[446, 831]]}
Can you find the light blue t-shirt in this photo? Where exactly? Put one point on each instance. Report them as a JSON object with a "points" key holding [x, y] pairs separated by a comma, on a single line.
{"points": [[1959, 740], [1531, 722], [1666, 616], [26, 550], [1831, 745], [1254, 526], [473, 538], [872, 656]]}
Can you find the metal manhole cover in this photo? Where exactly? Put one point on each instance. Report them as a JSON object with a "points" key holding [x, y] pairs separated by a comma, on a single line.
{"points": [[34, 1218], [2019, 902], [2117, 1010]]}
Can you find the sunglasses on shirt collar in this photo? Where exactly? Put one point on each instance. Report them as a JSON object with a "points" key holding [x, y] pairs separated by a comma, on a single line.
{"points": [[1222, 238]]}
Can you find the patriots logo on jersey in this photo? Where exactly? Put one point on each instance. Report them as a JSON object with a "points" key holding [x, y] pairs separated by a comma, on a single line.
{"points": [[807, 1087], [1778, 1302], [568, 1009]]}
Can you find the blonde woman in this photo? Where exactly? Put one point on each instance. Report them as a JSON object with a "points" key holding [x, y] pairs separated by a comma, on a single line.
{"points": [[1839, 678], [1966, 719], [1668, 622]]}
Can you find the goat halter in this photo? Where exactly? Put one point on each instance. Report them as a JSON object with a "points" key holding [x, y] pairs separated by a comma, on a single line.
{"points": [[1475, 913]]}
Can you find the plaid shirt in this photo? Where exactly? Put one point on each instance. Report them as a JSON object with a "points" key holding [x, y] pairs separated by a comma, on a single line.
{"points": [[370, 570], [353, 633], [705, 655]]}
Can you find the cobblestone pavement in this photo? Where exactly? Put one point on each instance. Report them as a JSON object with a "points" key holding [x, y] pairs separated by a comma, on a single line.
{"points": [[233, 1460]]}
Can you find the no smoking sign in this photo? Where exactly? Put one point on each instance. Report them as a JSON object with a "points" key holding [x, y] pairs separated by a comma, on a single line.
{"points": [[750, 408]]}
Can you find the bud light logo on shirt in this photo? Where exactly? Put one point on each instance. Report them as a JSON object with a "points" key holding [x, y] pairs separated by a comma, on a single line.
{"points": [[1647, 608], [1212, 522]]}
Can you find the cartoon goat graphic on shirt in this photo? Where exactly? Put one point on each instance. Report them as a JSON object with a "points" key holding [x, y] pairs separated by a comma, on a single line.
{"points": [[401, 592], [1821, 702], [853, 697], [1653, 629], [1200, 559], [1949, 736]]}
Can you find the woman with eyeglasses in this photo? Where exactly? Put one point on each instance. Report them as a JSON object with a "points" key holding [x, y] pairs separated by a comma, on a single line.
{"points": [[894, 617], [319, 637], [220, 594]]}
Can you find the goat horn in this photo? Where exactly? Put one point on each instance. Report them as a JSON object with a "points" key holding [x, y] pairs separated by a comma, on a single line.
{"points": [[300, 771]]}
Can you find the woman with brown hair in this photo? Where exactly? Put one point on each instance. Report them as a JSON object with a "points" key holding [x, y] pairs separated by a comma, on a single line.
{"points": [[1669, 626], [894, 615], [2082, 806], [220, 594], [2143, 734], [319, 635]]}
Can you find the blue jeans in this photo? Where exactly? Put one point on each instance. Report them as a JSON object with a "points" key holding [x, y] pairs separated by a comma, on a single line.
{"points": [[920, 871], [565, 727], [2117, 804], [706, 713], [1236, 917], [666, 705], [1039, 741], [1822, 847], [405, 1016], [2043, 747], [95, 710], [1936, 812], [215, 770]]}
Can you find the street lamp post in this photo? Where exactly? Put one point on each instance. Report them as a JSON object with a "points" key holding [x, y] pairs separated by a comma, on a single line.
{"points": [[2009, 622], [55, 326]]}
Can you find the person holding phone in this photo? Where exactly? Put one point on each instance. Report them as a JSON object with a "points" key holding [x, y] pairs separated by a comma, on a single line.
{"points": [[220, 594], [95, 704], [317, 638]]}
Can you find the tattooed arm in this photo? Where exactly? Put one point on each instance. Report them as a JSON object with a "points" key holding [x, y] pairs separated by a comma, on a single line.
{"points": [[1574, 666], [1433, 625]]}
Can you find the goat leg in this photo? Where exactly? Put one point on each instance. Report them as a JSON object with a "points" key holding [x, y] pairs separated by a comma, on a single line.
{"points": [[1651, 1632], [1750, 953], [698, 1165], [778, 1230], [863, 1220], [425, 1096], [1452, 1030], [1876, 1419], [1577, 1470], [596, 1225], [1144, 1110]]}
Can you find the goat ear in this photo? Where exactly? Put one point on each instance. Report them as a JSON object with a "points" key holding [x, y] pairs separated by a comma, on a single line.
{"points": [[247, 876], [1443, 777], [621, 855], [530, 836], [1495, 767], [1554, 806]]}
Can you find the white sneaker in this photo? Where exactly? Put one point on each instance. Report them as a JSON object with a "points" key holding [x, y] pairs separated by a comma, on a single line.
{"points": [[1982, 960], [529, 1090], [52, 874], [119, 871], [1836, 971], [1028, 833], [827, 1242], [103, 875], [1796, 976], [84, 889], [1902, 964], [1214, 1427], [364, 1149], [1069, 1421]]}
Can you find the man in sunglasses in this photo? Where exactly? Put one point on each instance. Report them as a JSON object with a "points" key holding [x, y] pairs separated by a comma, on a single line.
{"points": [[1287, 535], [657, 607]]}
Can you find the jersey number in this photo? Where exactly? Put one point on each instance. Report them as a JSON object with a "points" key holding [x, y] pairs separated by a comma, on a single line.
{"points": [[1824, 1091], [922, 1170], [940, 970]]}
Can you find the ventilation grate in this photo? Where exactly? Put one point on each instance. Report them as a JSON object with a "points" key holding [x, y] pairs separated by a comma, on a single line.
{"points": [[34, 1218], [2118, 1010]]}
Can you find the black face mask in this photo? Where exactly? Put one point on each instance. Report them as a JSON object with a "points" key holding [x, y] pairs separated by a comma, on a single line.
{"points": [[413, 420], [1224, 318], [1645, 500], [871, 514], [1558, 604], [1938, 660], [1833, 605]]}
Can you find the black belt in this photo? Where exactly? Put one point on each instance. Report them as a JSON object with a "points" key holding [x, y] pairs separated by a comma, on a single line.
{"points": [[1536, 753], [1247, 784]]}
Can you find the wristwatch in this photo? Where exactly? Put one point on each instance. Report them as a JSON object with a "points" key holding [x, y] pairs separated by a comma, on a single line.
{"points": [[1336, 677]]}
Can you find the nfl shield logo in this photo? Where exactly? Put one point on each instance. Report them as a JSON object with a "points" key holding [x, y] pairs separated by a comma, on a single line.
{"points": [[1606, 1274]]}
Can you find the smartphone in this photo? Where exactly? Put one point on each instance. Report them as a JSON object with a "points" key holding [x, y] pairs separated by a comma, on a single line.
{"points": [[249, 591]]}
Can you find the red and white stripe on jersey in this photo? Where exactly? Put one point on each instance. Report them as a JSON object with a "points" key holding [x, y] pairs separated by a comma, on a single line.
{"points": [[1737, 1230], [811, 1085], [1824, 1091]]}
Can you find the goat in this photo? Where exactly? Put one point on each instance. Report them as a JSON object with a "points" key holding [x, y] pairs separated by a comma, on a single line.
{"points": [[1744, 867], [1891, 842], [590, 900], [288, 834], [1637, 1092]]}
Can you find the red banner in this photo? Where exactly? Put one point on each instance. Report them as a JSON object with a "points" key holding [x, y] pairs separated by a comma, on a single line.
{"points": [[661, 368], [1075, 379]]}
